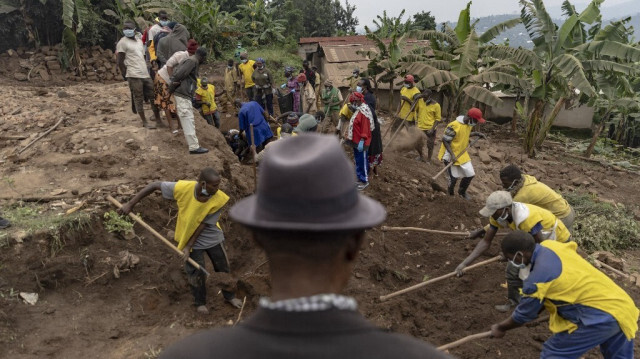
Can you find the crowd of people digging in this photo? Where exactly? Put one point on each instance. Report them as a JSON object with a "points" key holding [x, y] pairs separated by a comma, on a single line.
{"points": [[310, 217]]}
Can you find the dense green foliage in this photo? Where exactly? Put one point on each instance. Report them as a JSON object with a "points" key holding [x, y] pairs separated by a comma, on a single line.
{"points": [[602, 226]]}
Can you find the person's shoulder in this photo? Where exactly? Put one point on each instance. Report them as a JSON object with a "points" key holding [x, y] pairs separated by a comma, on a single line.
{"points": [[406, 347], [202, 344]]}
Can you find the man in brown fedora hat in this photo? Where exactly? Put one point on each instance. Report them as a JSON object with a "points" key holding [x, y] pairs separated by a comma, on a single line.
{"points": [[311, 231]]}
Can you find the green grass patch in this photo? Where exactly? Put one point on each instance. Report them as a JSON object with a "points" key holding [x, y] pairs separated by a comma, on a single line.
{"points": [[602, 226], [115, 223], [34, 217]]}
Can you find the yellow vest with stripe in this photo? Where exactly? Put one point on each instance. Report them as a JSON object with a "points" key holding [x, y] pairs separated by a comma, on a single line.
{"points": [[459, 143], [406, 106], [207, 96], [541, 195], [581, 283], [526, 216], [192, 212]]}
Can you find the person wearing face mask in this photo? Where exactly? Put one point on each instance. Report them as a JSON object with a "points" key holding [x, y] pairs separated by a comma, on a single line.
{"points": [[527, 189], [408, 94], [503, 212], [246, 69], [206, 98], [331, 98], [161, 25], [428, 116], [183, 85], [263, 85], [359, 137], [353, 80], [453, 149], [197, 230], [587, 309], [230, 81], [375, 148], [133, 66], [307, 95]]}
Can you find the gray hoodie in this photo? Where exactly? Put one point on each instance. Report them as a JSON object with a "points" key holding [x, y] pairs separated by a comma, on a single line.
{"points": [[172, 43]]}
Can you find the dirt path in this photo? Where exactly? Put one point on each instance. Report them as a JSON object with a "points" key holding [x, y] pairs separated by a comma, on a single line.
{"points": [[84, 311]]}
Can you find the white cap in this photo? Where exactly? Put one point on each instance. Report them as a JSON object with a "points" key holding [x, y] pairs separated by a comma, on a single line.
{"points": [[495, 201]]}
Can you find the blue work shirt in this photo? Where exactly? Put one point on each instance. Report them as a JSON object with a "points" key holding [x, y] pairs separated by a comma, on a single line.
{"points": [[251, 113], [550, 268]]}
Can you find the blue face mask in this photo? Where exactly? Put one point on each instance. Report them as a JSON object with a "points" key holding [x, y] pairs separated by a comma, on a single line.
{"points": [[129, 32], [164, 22], [359, 89]]}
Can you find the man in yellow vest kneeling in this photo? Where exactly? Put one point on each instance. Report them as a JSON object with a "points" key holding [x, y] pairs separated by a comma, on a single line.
{"points": [[197, 230], [587, 309]]}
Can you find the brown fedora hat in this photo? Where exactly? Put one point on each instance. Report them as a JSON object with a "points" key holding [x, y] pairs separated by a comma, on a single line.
{"points": [[306, 183]]}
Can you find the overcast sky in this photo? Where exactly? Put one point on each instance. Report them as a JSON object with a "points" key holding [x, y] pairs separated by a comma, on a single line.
{"points": [[444, 10]]}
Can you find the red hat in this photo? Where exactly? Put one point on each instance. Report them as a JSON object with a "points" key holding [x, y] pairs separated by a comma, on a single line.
{"points": [[409, 78], [302, 78], [476, 114], [192, 46], [356, 96]]}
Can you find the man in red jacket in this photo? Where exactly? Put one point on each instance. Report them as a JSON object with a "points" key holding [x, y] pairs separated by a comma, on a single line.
{"points": [[359, 136]]}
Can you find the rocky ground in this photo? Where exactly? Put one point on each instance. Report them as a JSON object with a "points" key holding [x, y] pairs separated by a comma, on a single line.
{"points": [[85, 310]]}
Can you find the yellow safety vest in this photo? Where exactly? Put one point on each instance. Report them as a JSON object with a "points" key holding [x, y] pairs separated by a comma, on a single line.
{"points": [[581, 283], [192, 212], [406, 106], [459, 143], [526, 216], [541, 195]]}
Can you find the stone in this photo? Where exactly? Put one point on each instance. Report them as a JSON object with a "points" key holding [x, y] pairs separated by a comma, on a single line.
{"points": [[484, 157], [20, 76], [609, 184], [62, 94], [154, 148], [498, 156], [82, 151], [129, 141], [44, 74], [12, 53], [50, 58]]}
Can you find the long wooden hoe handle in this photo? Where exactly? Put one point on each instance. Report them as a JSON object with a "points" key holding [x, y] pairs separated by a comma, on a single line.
{"points": [[435, 231], [452, 162], [468, 338], [255, 158], [437, 279], [156, 234]]}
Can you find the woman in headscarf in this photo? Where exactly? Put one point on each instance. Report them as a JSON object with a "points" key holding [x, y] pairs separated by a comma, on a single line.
{"points": [[292, 85], [358, 136], [375, 149]]}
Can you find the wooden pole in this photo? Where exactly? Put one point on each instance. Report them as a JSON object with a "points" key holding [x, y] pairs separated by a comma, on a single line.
{"points": [[255, 158], [42, 135], [452, 162], [430, 281], [156, 234], [435, 231], [413, 105], [468, 338], [616, 271]]}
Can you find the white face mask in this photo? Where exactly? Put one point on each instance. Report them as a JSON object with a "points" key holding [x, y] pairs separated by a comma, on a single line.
{"points": [[523, 273], [502, 220], [513, 184]]}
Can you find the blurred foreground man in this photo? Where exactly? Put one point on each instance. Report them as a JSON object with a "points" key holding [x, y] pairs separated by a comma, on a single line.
{"points": [[311, 252], [587, 308]]}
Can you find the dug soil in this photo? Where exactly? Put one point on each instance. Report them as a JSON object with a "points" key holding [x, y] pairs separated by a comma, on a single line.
{"points": [[85, 310]]}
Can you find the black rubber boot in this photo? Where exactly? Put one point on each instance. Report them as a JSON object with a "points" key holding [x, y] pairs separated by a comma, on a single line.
{"points": [[452, 184], [464, 185]]}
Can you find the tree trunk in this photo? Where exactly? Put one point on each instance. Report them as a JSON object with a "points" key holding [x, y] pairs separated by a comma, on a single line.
{"points": [[544, 130], [390, 109], [533, 126], [596, 134]]}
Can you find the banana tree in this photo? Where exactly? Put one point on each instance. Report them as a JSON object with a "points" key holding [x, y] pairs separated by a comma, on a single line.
{"points": [[385, 62], [259, 22], [453, 64], [558, 66], [206, 22]]}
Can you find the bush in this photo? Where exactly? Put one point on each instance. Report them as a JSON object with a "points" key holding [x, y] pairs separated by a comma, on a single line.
{"points": [[115, 223], [602, 226]]}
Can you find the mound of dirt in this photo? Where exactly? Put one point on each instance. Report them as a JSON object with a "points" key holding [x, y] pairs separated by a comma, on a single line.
{"points": [[100, 149]]}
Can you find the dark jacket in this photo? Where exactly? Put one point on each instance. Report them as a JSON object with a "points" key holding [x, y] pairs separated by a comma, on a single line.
{"points": [[376, 138], [185, 78], [335, 334], [172, 43]]}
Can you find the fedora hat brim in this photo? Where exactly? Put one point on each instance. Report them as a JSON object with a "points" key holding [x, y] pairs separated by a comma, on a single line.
{"points": [[367, 213]]}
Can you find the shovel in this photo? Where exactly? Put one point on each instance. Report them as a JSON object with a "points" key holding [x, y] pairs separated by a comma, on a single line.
{"points": [[434, 184]]}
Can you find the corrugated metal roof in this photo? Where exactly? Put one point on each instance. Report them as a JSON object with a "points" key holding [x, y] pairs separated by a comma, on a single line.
{"points": [[345, 53], [335, 39]]}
